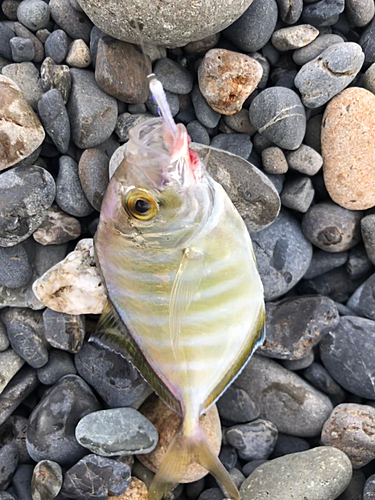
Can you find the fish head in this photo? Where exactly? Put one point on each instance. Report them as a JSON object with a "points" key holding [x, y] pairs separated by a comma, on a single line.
{"points": [[160, 195]]}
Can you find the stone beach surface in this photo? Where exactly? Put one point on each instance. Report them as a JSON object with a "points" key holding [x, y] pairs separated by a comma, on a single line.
{"points": [[278, 99]]}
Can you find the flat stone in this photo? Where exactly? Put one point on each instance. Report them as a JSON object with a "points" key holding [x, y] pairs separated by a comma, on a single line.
{"points": [[276, 389], [21, 386], [328, 74], [69, 193], [121, 70], [323, 262], [21, 130], [315, 48], [316, 474], [205, 114], [47, 480], [305, 160], [26, 76], [253, 441], [64, 331], [294, 37], [174, 77], [78, 55], [298, 194], [235, 405], [162, 26], [331, 227], [53, 76], [54, 117], [93, 175], [75, 23], [59, 364], [348, 158], [57, 228], [226, 79], [294, 326]]}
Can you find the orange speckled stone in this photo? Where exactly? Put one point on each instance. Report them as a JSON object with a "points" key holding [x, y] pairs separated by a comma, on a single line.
{"points": [[137, 490], [167, 422], [348, 149]]}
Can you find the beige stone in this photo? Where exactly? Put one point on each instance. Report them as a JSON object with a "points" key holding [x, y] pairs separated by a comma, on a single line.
{"points": [[137, 490], [21, 132], [294, 37], [226, 79], [78, 55], [348, 148], [167, 423]]}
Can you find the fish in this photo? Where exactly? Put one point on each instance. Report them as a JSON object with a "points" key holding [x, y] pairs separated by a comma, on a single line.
{"points": [[186, 300]]}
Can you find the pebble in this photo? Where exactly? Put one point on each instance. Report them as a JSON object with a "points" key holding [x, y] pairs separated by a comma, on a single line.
{"points": [[315, 48], [174, 77], [368, 235], [237, 144], [15, 268], [56, 46], [73, 286], [78, 55], [126, 121], [253, 441], [21, 386], [228, 456], [26, 193], [369, 489], [9, 8], [4, 495], [348, 158], [367, 42], [305, 160], [285, 445], [212, 494], [294, 37], [331, 227], [114, 378], [318, 376], [93, 175], [42, 35], [172, 100], [34, 14], [205, 114], [21, 483], [298, 194], [23, 32], [26, 76], [227, 78], [127, 81], [57, 228], [276, 389], [350, 428], [64, 331], [92, 113], [9, 462], [358, 264], [54, 117], [270, 115], [75, 23], [240, 122], [203, 45], [162, 26], [313, 132], [283, 255], [257, 202], [299, 364], [359, 13], [362, 301], [167, 422], [22, 49], [294, 326], [53, 76], [4, 342], [323, 13], [254, 28], [47, 480], [59, 364], [137, 490], [236, 406], [355, 489], [50, 433], [69, 194], [274, 161], [316, 474], [369, 79], [96, 477], [26, 342], [22, 139], [198, 133], [119, 431]]}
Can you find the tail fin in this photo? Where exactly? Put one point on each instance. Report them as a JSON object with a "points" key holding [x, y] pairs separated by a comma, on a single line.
{"points": [[182, 451]]}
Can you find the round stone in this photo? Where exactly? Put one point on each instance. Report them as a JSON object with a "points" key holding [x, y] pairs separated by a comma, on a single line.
{"points": [[198, 133], [57, 228], [23, 32], [348, 148], [22, 49], [359, 12], [15, 268], [26, 76], [323, 13], [274, 161], [46, 481], [305, 160], [175, 24], [93, 175], [235, 405], [253, 441], [57, 45], [240, 122], [294, 37], [59, 364], [167, 423], [34, 14], [174, 77]]}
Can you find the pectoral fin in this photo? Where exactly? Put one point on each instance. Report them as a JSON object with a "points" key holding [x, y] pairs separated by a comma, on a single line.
{"points": [[185, 285]]}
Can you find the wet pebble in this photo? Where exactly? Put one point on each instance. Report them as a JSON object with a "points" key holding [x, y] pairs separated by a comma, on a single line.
{"points": [[235, 405], [253, 441], [47, 480], [59, 364]]}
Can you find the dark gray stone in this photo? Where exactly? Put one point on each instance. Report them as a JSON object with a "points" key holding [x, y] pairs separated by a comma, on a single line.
{"points": [[206, 115], [55, 120], [283, 255], [315, 48], [4, 495], [295, 325], [47, 480], [53, 76], [367, 42], [285, 445], [298, 194], [369, 489], [6, 34], [22, 482], [75, 23], [358, 264], [250, 467], [237, 477], [174, 77], [21, 386], [95, 35], [235, 405], [136, 109], [323, 262], [331, 227], [23, 32], [15, 268], [94, 176], [172, 100], [290, 10], [212, 494], [253, 441], [270, 114], [237, 144], [299, 364], [14, 431], [26, 193], [228, 456], [96, 477], [325, 76], [362, 301], [22, 49], [254, 28], [368, 235], [27, 343], [57, 46], [47, 256], [69, 193], [194, 489], [34, 14], [323, 13], [198, 133], [8, 462], [92, 113], [50, 434], [64, 331], [355, 489], [126, 122], [305, 160], [59, 364]]}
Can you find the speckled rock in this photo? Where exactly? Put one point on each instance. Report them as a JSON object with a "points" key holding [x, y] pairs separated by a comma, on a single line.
{"points": [[163, 26], [22, 137], [46, 481], [78, 55], [274, 161], [167, 422], [359, 12], [253, 441], [305, 160], [226, 79], [350, 428], [294, 37], [57, 228], [54, 76], [349, 157]]}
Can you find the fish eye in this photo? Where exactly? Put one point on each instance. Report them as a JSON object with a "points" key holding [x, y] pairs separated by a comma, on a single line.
{"points": [[140, 204]]}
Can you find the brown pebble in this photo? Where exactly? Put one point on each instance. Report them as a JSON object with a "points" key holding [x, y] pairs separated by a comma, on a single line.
{"points": [[167, 422], [137, 490], [351, 428], [226, 79], [274, 161], [348, 148]]}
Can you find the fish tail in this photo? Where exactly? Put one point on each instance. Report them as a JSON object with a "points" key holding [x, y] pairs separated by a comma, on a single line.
{"points": [[185, 448]]}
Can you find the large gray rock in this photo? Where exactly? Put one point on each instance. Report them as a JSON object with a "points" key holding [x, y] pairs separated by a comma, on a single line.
{"points": [[172, 23]]}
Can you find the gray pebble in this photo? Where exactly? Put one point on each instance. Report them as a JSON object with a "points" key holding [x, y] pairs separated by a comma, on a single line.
{"points": [[21, 386], [126, 122], [358, 264], [368, 235], [362, 301], [136, 109], [10, 364], [315, 48], [344, 310], [6, 34], [174, 77], [254, 28], [240, 122], [318, 376], [9, 462], [56, 46], [4, 342], [59, 364], [369, 79], [92, 113], [299, 364], [322, 262], [9, 8], [274, 161], [172, 100], [355, 489], [359, 12], [198, 133], [55, 120], [237, 477], [6, 495], [212, 494], [261, 143], [22, 49], [290, 10], [369, 489], [271, 115], [76, 24], [228, 455], [250, 467], [235, 405], [294, 37], [26, 76], [26, 342], [253, 441], [34, 14], [332, 71], [238, 144], [23, 32], [42, 35], [323, 13], [285, 445], [313, 132], [331, 227], [194, 489], [93, 174], [47, 480], [64, 331], [206, 115], [15, 268], [69, 194], [53, 76], [305, 160], [298, 194], [95, 35]]}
